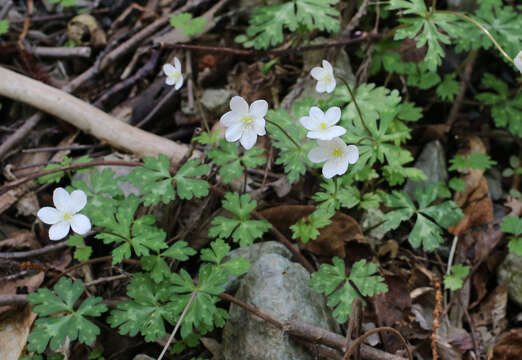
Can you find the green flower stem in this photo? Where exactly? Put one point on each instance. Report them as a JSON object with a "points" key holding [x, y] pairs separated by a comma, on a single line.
{"points": [[480, 26], [284, 132], [356, 104]]}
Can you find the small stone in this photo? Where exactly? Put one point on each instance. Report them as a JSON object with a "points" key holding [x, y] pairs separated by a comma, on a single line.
{"points": [[252, 253], [371, 218], [279, 288], [432, 161], [494, 178], [216, 101], [143, 357], [510, 274]]}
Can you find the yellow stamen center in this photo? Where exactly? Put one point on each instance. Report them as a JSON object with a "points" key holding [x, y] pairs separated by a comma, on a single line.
{"points": [[175, 75], [337, 152], [327, 77], [323, 126], [66, 216], [247, 120]]}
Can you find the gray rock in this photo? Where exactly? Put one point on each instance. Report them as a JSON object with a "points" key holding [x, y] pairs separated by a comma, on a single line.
{"points": [[462, 5], [371, 218], [216, 101], [509, 273], [432, 161], [278, 288], [252, 254], [494, 178], [143, 357]]}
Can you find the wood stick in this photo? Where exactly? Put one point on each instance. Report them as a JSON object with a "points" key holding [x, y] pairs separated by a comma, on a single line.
{"points": [[60, 52], [86, 117]]}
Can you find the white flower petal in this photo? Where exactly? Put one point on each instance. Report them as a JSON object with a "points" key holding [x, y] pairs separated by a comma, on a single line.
{"points": [[248, 140], [259, 126], [179, 83], [317, 73], [61, 199], [59, 231], [233, 133], [168, 69], [239, 105], [259, 108], [170, 81], [80, 224], [330, 169], [352, 154], [319, 154], [321, 86], [49, 215], [327, 134], [230, 118], [330, 86], [328, 67], [78, 201], [518, 61], [333, 115], [307, 122], [177, 64], [317, 114]]}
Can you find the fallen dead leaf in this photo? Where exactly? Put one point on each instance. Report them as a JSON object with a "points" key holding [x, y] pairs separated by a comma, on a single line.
{"points": [[509, 347], [490, 319], [474, 200], [332, 238], [14, 329]]}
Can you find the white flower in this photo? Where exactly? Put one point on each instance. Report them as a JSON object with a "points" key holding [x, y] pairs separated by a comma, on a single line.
{"points": [[336, 154], [173, 73], [322, 126], [245, 124], [325, 78], [518, 61], [65, 215]]}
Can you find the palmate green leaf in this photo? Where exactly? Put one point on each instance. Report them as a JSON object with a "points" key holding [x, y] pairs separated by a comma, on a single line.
{"points": [[328, 279], [103, 194], [4, 27], [156, 264], [506, 111], [71, 323], [217, 252], [267, 23], [231, 164], [139, 235], [448, 88], [242, 229], [502, 22], [513, 225], [147, 309], [476, 160], [455, 280], [154, 180], [424, 28], [346, 196], [203, 311], [293, 159], [307, 228], [189, 26], [187, 186], [431, 217]]}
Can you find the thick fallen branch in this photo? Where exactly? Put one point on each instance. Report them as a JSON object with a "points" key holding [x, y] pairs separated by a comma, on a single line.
{"points": [[86, 117]]}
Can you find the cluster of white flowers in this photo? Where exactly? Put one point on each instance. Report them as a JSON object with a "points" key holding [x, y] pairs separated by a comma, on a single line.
{"points": [[65, 215]]}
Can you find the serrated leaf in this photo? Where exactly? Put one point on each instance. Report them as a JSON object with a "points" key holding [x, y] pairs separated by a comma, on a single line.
{"points": [[4, 27], [455, 280], [477, 160], [328, 280], [231, 164], [154, 180], [448, 88], [187, 186], [71, 323], [218, 250], [236, 266], [307, 228], [146, 311], [242, 229]]}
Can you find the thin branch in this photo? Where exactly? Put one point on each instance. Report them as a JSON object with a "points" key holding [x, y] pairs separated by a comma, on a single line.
{"points": [[32, 253], [360, 339]]}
